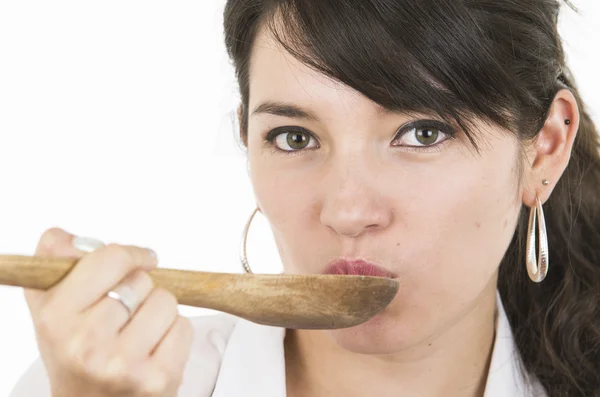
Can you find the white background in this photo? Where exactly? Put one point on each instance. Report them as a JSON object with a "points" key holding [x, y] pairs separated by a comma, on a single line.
{"points": [[117, 122]]}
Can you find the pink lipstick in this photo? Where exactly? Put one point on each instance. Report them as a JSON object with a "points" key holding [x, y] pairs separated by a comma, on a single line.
{"points": [[357, 267]]}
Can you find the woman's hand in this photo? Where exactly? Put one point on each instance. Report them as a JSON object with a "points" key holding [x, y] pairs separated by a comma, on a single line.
{"points": [[89, 344]]}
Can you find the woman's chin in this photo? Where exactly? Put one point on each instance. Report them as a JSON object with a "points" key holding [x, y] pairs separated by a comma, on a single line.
{"points": [[379, 335]]}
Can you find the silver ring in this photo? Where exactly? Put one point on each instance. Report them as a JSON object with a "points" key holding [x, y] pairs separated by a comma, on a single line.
{"points": [[125, 294]]}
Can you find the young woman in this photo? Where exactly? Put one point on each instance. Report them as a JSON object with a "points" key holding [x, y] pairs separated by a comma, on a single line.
{"points": [[423, 140]]}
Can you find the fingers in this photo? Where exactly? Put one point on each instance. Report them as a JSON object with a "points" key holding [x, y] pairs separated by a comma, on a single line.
{"points": [[152, 349], [53, 242], [172, 354], [97, 273], [110, 313], [90, 341], [152, 321]]}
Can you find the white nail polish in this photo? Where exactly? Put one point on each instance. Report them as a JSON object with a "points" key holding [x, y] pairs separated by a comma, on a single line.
{"points": [[152, 253], [86, 244]]}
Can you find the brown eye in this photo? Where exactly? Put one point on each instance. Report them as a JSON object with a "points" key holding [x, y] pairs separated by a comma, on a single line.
{"points": [[291, 139], [297, 140], [426, 136], [423, 133]]}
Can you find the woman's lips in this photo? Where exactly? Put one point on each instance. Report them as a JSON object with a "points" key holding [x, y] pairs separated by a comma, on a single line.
{"points": [[357, 267]]}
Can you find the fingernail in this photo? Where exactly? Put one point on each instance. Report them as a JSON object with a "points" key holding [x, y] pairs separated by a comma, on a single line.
{"points": [[152, 253], [86, 244]]}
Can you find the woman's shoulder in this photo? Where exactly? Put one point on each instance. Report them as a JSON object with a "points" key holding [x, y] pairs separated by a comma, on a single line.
{"points": [[211, 334]]}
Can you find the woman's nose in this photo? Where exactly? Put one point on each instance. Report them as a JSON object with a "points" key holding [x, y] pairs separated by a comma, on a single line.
{"points": [[352, 221], [353, 204]]}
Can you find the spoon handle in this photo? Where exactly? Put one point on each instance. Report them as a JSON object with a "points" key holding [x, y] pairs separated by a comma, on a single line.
{"points": [[201, 289]]}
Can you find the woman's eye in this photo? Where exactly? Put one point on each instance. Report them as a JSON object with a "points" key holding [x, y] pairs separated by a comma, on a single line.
{"points": [[420, 134], [423, 134], [291, 140]]}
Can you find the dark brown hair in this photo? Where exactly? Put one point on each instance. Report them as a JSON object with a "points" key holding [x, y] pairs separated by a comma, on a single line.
{"points": [[499, 60]]}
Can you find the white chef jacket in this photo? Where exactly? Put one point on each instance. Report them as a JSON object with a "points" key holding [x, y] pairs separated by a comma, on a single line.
{"points": [[233, 357]]}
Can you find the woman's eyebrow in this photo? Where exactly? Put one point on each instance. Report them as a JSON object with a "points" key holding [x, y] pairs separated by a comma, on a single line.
{"points": [[293, 111], [285, 110]]}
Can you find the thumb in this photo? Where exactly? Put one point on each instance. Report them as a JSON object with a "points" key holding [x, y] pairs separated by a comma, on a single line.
{"points": [[58, 242]]}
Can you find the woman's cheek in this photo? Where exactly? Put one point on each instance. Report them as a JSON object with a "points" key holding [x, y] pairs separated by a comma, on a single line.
{"points": [[449, 242]]}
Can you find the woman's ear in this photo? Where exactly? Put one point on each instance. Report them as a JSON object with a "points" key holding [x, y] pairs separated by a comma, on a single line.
{"points": [[550, 152], [239, 113], [241, 124]]}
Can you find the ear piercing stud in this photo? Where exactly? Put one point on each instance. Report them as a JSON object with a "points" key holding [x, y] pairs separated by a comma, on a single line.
{"points": [[567, 121], [545, 182]]}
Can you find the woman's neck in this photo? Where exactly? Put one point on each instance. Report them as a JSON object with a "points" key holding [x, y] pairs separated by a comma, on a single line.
{"points": [[453, 364]]}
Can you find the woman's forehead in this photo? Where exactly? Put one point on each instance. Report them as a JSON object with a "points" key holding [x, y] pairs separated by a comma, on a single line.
{"points": [[363, 82], [275, 76]]}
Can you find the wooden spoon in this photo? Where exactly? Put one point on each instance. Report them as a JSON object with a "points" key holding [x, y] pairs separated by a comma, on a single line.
{"points": [[290, 301]]}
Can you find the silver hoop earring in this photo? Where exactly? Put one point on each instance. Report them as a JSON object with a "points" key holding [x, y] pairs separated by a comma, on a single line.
{"points": [[537, 270], [243, 257]]}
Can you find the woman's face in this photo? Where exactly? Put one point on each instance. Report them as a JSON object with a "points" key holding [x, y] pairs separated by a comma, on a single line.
{"points": [[415, 201]]}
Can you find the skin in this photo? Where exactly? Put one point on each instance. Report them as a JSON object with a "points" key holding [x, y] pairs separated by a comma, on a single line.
{"points": [[441, 218], [89, 344]]}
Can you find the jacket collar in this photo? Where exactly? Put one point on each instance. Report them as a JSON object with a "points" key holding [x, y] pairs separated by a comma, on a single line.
{"points": [[507, 376], [253, 363]]}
